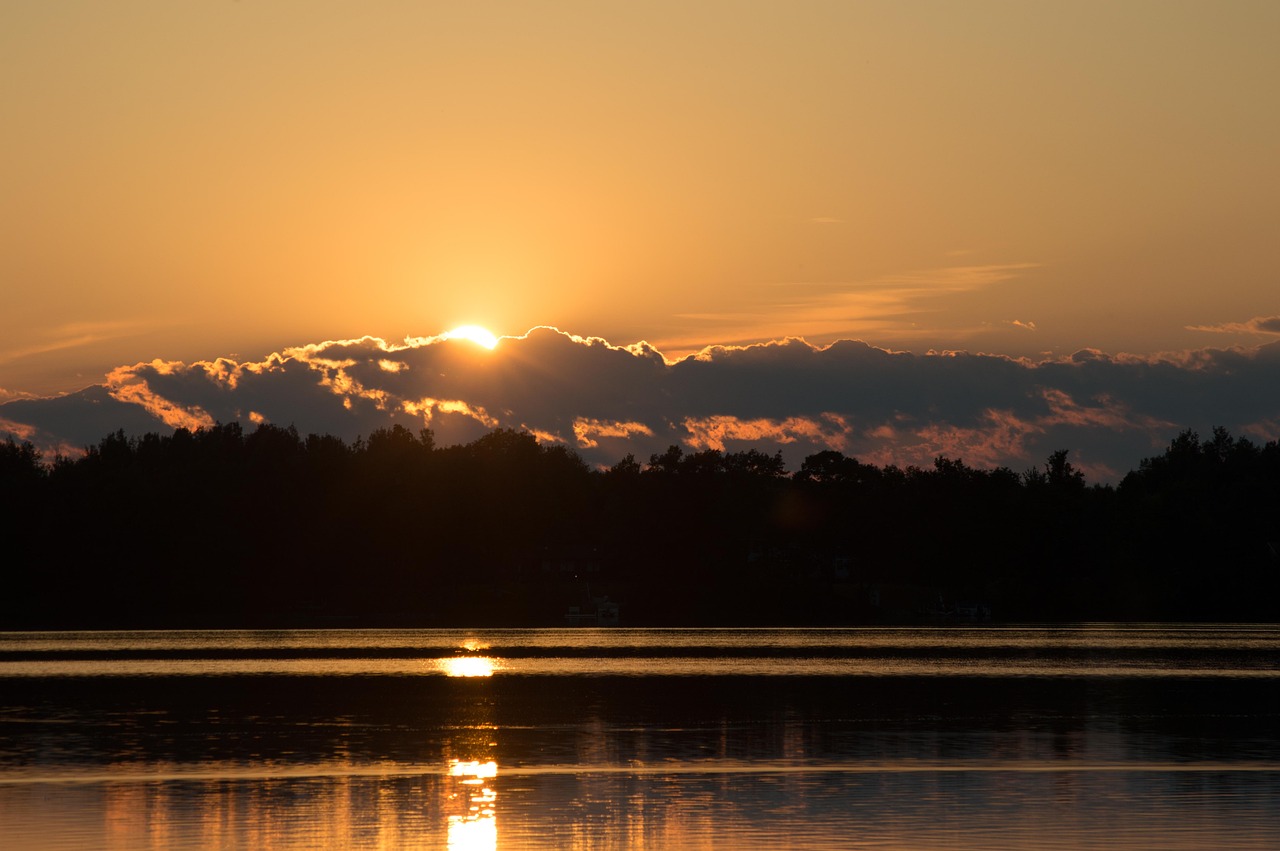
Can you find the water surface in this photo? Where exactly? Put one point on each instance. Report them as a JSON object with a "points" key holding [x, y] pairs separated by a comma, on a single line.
{"points": [[1087, 737]]}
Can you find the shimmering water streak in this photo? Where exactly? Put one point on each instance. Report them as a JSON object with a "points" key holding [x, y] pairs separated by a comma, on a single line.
{"points": [[633, 667], [215, 773], [1075, 636], [1089, 651]]}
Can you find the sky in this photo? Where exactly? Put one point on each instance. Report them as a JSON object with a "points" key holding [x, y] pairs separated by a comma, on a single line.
{"points": [[1032, 184]]}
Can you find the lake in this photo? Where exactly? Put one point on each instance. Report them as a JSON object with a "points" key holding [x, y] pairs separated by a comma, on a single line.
{"points": [[1093, 736]]}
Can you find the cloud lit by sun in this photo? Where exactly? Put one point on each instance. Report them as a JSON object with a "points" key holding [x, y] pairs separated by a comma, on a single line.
{"points": [[474, 333]]}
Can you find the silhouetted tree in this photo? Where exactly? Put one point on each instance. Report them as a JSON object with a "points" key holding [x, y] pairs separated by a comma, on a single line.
{"points": [[220, 527]]}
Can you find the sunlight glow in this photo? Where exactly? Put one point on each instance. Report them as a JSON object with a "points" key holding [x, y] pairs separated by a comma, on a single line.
{"points": [[474, 333], [468, 666]]}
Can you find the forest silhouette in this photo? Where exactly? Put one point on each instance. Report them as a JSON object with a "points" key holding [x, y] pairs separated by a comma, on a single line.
{"points": [[226, 528]]}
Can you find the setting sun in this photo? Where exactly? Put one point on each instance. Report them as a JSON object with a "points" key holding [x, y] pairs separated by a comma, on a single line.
{"points": [[474, 333]]}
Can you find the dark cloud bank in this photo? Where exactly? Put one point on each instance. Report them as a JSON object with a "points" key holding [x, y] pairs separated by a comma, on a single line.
{"points": [[605, 401]]}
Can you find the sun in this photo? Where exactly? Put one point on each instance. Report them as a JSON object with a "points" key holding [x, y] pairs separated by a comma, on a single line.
{"points": [[474, 333]]}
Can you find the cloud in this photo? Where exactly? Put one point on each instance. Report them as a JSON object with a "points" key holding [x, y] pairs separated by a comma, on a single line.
{"points": [[900, 306], [70, 336], [1026, 326], [66, 424], [128, 384], [725, 432], [606, 400], [589, 432], [17, 430], [1256, 325]]}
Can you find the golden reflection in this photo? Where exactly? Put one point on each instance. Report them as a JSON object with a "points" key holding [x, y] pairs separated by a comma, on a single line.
{"points": [[478, 771], [468, 666], [475, 828]]}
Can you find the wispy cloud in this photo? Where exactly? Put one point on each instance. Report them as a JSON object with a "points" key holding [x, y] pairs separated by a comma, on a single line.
{"points": [[900, 306], [70, 336], [1266, 325]]}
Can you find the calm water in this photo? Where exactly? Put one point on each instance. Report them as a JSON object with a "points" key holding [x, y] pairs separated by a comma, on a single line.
{"points": [[1087, 737]]}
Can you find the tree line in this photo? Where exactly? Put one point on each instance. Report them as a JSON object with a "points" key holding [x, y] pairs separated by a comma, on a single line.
{"points": [[227, 527]]}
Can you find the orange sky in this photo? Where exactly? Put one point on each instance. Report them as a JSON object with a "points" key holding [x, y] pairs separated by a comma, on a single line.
{"points": [[191, 180]]}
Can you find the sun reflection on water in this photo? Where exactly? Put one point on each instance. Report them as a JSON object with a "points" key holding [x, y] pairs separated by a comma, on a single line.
{"points": [[474, 769], [468, 666], [476, 827]]}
